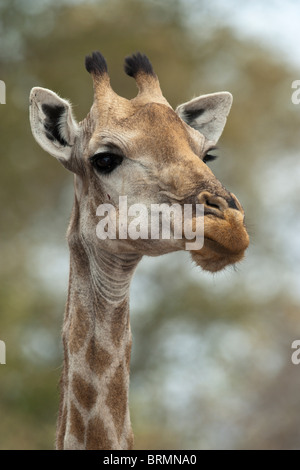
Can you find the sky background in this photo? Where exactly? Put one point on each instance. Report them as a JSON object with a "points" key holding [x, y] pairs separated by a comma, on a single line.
{"points": [[275, 22]]}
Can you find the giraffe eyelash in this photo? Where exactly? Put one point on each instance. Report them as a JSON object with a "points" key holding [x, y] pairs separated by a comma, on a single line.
{"points": [[209, 158]]}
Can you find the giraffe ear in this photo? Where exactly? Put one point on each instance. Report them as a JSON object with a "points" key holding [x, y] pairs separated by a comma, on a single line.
{"points": [[207, 114], [52, 124]]}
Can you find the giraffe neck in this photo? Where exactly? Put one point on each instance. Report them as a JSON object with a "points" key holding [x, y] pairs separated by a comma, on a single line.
{"points": [[94, 412]]}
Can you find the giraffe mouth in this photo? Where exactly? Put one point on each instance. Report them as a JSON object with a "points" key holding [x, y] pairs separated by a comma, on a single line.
{"points": [[225, 241]]}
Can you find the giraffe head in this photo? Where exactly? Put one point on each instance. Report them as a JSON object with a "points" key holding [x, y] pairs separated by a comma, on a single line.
{"points": [[146, 151]]}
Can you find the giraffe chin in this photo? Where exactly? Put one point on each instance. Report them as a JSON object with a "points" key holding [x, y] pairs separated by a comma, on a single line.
{"points": [[212, 257], [225, 242]]}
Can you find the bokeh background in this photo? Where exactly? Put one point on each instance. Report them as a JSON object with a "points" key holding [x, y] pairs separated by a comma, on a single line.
{"points": [[211, 365]]}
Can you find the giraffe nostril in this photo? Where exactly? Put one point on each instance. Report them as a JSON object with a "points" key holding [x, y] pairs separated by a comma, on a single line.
{"points": [[217, 203], [212, 204], [233, 202]]}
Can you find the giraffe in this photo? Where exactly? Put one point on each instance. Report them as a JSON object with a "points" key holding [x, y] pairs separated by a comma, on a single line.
{"points": [[143, 149]]}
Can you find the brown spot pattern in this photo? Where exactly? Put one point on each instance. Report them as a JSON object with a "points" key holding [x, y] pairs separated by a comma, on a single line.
{"points": [[120, 322], [128, 355], [79, 326], [117, 399], [77, 424], [96, 437], [97, 358], [61, 428], [85, 392]]}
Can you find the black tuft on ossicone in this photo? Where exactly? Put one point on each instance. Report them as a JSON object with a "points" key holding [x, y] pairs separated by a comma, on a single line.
{"points": [[96, 63], [138, 63]]}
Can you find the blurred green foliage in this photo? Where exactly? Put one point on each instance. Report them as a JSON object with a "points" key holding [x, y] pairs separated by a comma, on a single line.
{"points": [[211, 356]]}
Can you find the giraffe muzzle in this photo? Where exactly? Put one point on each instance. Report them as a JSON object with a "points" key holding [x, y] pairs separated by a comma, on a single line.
{"points": [[225, 234]]}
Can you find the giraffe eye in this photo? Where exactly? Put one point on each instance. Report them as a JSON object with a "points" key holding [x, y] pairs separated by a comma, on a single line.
{"points": [[209, 158], [105, 162]]}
